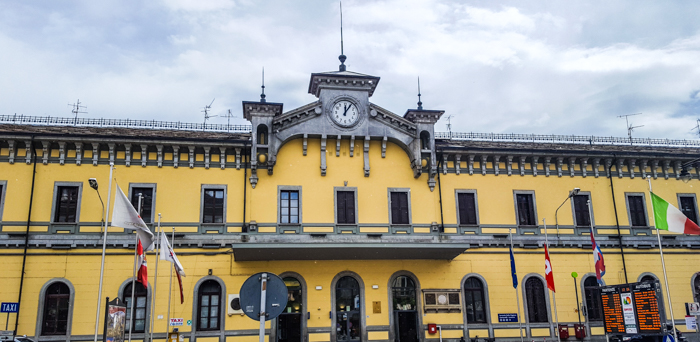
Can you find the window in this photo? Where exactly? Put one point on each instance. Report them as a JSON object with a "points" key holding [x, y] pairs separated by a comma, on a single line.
{"points": [[592, 296], [289, 206], [474, 300], [3, 185], [56, 309], [147, 193], [647, 279], [345, 207], [466, 208], [582, 217], [209, 310], [403, 292], [536, 300], [696, 287], [688, 207], [140, 298], [637, 210], [213, 204], [348, 302], [66, 206], [525, 204], [400, 207]]}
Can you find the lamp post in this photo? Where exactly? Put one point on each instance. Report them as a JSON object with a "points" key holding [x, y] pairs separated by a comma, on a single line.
{"points": [[578, 309], [572, 193], [105, 219], [94, 185]]}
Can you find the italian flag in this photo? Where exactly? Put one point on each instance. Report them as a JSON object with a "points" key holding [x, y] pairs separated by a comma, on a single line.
{"points": [[668, 217]]}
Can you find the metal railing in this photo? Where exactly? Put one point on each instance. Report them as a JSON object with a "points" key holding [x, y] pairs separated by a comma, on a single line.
{"points": [[565, 139], [126, 123]]}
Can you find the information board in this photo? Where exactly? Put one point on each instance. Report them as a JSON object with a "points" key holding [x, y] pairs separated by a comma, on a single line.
{"points": [[632, 308]]}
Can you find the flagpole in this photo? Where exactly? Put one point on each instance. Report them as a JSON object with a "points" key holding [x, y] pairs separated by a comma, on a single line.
{"points": [[554, 294], [133, 278], [170, 287], [517, 299], [104, 249], [155, 280], [663, 265]]}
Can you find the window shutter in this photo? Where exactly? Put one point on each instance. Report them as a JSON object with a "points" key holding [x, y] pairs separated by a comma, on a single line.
{"points": [[350, 206]]}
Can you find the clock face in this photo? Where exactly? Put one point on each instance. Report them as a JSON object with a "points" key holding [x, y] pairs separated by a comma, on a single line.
{"points": [[345, 113]]}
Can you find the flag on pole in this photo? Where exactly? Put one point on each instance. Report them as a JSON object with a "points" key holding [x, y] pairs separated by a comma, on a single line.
{"points": [[167, 253], [598, 259], [125, 216], [142, 275], [668, 217], [512, 268], [548, 270]]}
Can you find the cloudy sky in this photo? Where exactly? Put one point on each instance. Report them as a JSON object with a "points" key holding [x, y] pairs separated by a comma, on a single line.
{"points": [[545, 67]]}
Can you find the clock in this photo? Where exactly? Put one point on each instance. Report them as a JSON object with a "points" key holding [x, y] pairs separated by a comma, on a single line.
{"points": [[345, 113]]}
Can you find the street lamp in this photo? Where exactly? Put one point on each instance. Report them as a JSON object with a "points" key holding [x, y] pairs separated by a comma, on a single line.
{"points": [[93, 184], [685, 175], [572, 193]]}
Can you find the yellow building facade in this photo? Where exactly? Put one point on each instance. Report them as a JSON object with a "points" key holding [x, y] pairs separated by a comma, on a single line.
{"points": [[379, 227]]}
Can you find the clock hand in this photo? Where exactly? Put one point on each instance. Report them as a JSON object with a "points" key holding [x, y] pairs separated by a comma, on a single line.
{"points": [[346, 110]]}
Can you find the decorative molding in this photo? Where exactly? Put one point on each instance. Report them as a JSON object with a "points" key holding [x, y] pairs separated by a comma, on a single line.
{"points": [[238, 158], [560, 160], [176, 156], [11, 147], [45, 152], [584, 167], [111, 153], [596, 167], [470, 164], [620, 162], [572, 166], [444, 163], [533, 165], [483, 164], [206, 156], [366, 150], [61, 152], [384, 146], [144, 155], [127, 155], [458, 161], [643, 168], [78, 153], [28, 147], [509, 165], [222, 157], [160, 155], [323, 154], [190, 150], [521, 165], [337, 146], [654, 168], [95, 153], [305, 144], [667, 164], [608, 166], [352, 146], [496, 166], [677, 169], [631, 165], [547, 161]]}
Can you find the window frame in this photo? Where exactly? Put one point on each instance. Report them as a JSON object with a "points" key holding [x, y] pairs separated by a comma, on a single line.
{"points": [[281, 188], [42, 303], [573, 209], [335, 203], [584, 301], [534, 208], [147, 317], [678, 197], [644, 205], [54, 205], [408, 199], [526, 301], [3, 190], [153, 187], [204, 188], [221, 306], [476, 206], [485, 298], [195, 307]]}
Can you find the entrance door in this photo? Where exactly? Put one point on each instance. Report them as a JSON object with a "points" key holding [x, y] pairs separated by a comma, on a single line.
{"points": [[404, 309], [289, 321], [347, 310]]}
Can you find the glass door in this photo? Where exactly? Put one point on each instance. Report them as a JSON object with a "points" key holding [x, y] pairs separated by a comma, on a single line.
{"points": [[289, 321], [347, 309], [404, 309]]}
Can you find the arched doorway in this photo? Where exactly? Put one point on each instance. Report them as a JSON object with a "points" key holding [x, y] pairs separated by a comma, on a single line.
{"points": [[404, 309], [289, 322], [348, 324]]}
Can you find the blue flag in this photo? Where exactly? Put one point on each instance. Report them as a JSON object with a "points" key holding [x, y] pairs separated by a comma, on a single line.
{"points": [[512, 269]]}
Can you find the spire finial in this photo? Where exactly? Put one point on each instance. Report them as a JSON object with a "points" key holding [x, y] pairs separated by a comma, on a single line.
{"points": [[420, 104], [262, 95], [342, 56]]}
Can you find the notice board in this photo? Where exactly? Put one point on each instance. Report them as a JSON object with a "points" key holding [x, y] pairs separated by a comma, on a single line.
{"points": [[632, 308]]}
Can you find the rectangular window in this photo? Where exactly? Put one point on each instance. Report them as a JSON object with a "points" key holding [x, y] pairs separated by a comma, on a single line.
{"points": [[147, 207], [289, 206], [688, 207], [637, 212], [345, 207], [213, 200], [66, 207], [526, 209], [466, 208], [582, 217], [399, 207]]}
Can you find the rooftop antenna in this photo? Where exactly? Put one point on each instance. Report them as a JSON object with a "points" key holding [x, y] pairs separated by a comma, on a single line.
{"points": [[262, 95], [449, 123], [630, 128], [77, 110], [342, 56], [206, 112], [420, 104], [697, 127], [229, 115]]}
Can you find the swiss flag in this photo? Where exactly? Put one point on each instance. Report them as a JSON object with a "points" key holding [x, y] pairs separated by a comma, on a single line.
{"points": [[548, 270], [142, 275]]}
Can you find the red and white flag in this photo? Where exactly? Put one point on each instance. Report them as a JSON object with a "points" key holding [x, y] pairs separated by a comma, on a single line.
{"points": [[548, 270], [125, 216], [142, 275], [167, 253]]}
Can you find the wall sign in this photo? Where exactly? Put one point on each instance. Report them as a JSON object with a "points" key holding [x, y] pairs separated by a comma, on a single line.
{"points": [[508, 318]]}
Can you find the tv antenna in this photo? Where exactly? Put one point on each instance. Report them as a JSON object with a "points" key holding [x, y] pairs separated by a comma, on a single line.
{"points": [[449, 123], [229, 115], [630, 128], [77, 109], [206, 112], [697, 127]]}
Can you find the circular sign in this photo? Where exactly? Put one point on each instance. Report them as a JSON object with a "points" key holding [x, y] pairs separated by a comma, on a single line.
{"points": [[275, 299]]}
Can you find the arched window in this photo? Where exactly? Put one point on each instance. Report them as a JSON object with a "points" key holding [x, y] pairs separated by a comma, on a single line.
{"points": [[647, 279], [424, 140], [140, 298], [262, 134], [56, 307], [696, 287], [474, 300], [536, 300], [209, 308], [347, 308], [591, 292]]}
